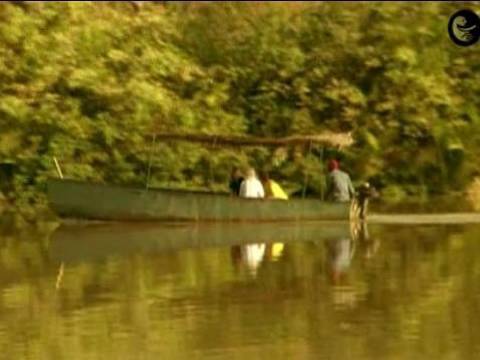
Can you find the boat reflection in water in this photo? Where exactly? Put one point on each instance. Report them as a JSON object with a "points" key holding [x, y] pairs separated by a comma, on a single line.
{"points": [[341, 251], [86, 243], [340, 248], [370, 245], [276, 251], [251, 256], [96, 242]]}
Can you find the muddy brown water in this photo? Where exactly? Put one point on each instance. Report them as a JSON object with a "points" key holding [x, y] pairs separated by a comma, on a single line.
{"points": [[309, 291]]}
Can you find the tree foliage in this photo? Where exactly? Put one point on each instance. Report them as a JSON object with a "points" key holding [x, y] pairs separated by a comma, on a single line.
{"points": [[90, 82]]}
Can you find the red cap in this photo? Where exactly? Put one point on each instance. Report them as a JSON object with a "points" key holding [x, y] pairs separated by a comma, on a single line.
{"points": [[333, 165]]}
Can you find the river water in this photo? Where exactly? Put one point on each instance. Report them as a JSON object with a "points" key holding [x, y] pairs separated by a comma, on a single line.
{"points": [[305, 291]]}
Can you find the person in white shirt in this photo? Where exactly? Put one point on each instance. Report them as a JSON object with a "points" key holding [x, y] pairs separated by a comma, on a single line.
{"points": [[251, 187]]}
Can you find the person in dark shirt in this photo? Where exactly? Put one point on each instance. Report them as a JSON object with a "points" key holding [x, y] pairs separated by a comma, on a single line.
{"points": [[236, 179]]}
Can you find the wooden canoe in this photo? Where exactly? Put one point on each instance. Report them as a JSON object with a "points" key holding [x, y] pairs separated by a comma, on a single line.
{"points": [[83, 200]]}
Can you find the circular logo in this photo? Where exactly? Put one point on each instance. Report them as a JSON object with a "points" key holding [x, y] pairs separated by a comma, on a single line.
{"points": [[464, 27]]}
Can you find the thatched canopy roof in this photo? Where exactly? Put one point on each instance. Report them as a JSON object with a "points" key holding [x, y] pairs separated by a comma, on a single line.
{"points": [[329, 139]]}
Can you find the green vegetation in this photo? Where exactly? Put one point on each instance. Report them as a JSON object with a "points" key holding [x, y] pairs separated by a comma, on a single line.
{"points": [[90, 83]]}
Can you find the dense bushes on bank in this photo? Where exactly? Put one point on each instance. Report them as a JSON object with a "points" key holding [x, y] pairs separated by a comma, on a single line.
{"points": [[90, 83]]}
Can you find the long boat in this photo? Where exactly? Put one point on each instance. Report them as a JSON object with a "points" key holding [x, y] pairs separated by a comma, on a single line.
{"points": [[84, 200]]}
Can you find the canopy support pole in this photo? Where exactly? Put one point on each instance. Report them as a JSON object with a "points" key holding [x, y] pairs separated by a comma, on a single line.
{"points": [[57, 166], [322, 167], [305, 179], [150, 160]]}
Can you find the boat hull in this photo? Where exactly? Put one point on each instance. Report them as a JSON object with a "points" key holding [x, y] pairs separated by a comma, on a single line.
{"points": [[83, 200]]}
